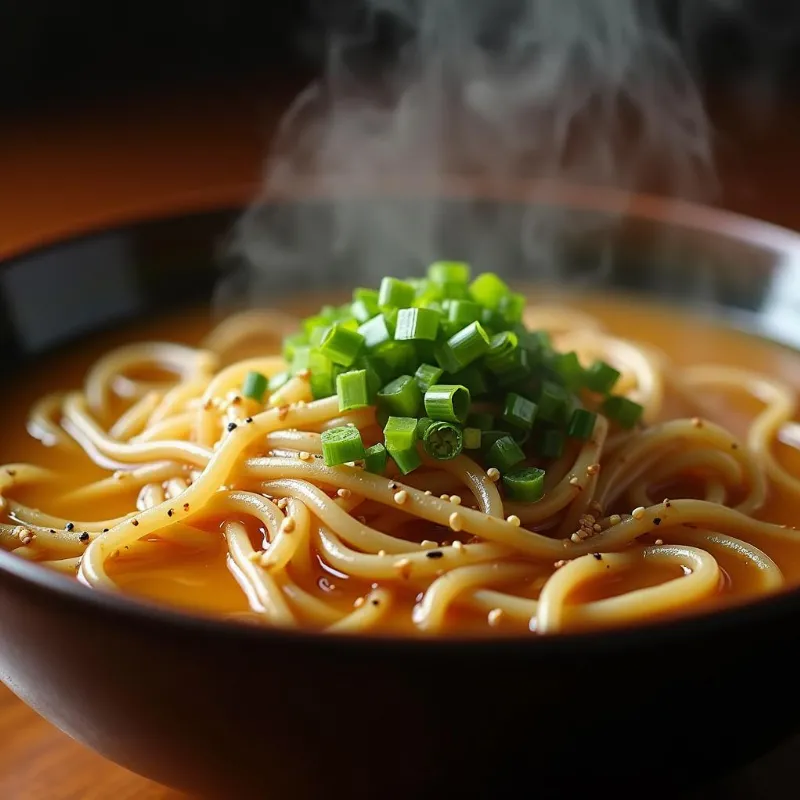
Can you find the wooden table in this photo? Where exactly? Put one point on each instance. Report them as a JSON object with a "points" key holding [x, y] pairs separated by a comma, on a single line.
{"points": [[110, 165]]}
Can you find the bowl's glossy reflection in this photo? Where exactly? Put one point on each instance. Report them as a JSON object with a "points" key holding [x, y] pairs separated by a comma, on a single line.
{"points": [[238, 712]]}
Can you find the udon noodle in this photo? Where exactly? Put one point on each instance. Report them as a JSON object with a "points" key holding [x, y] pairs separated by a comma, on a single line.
{"points": [[634, 525]]}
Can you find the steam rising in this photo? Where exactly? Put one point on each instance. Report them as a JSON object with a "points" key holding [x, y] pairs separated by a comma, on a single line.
{"points": [[498, 93]]}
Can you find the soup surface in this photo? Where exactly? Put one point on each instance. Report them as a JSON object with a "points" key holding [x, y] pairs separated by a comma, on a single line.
{"points": [[695, 562]]}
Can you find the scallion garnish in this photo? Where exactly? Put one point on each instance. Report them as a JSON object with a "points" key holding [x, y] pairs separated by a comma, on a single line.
{"points": [[254, 385], [395, 294], [519, 411], [525, 484], [504, 454], [426, 375], [623, 411], [351, 387], [341, 344], [417, 323], [375, 459], [447, 402], [469, 344], [342, 444], [400, 433], [443, 440], [601, 377], [581, 424], [401, 397], [472, 438]]}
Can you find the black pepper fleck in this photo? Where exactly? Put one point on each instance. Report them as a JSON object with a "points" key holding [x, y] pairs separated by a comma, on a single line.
{"points": [[434, 554], [70, 526], [105, 530], [134, 522], [249, 420], [185, 506], [11, 472], [656, 520], [170, 513], [376, 602], [232, 426], [84, 537], [598, 556], [734, 446]]}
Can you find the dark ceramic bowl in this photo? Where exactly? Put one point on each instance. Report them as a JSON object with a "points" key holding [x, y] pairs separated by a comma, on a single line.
{"points": [[236, 712]]}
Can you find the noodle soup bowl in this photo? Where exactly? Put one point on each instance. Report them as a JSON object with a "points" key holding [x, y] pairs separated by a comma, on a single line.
{"points": [[232, 710]]}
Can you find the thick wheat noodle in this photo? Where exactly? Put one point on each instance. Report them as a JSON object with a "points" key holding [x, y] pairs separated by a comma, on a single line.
{"points": [[717, 462], [553, 609], [187, 362], [267, 595], [201, 469], [780, 408], [133, 420], [429, 613], [44, 422]]}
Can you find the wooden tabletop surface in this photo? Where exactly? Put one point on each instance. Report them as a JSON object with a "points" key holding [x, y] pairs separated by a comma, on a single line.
{"points": [[112, 165]]}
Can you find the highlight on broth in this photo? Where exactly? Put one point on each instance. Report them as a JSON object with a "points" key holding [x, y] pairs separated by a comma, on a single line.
{"points": [[432, 457]]}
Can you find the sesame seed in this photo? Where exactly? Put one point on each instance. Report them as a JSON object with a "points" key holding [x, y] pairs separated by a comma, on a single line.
{"points": [[458, 545], [428, 543], [283, 412], [185, 506], [288, 525], [638, 513], [445, 497], [381, 553], [392, 485], [494, 616], [401, 497], [249, 420], [25, 535], [559, 564], [614, 519], [595, 506], [455, 499], [697, 422], [493, 474], [283, 502], [593, 469], [305, 455], [135, 523], [659, 542], [575, 538], [597, 556], [345, 493], [428, 493], [514, 520], [455, 521], [573, 481], [358, 602], [170, 512]]}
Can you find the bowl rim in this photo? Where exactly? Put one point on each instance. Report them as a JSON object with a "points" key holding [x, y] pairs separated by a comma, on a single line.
{"points": [[669, 212]]}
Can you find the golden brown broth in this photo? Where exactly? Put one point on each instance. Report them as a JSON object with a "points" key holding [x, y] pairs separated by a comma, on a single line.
{"points": [[203, 583]]}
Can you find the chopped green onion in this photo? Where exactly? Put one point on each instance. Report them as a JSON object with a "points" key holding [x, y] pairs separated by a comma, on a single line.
{"points": [[624, 412], [519, 411], [406, 460], [375, 459], [423, 423], [525, 484], [569, 369], [472, 378], [447, 402], [342, 444], [254, 386], [511, 307], [443, 441], [446, 358], [341, 345], [322, 375], [601, 377], [472, 438], [365, 304], [581, 424], [417, 323], [401, 397], [535, 342], [487, 289], [291, 343], [500, 356], [444, 272], [426, 375], [395, 294], [374, 377], [277, 380], [310, 324], [469, 344], [482, 420], [553, 403], [489, 437], [551, 443], [504, 454], [400, 433], [395, 358], [301, 359], [462, 312], [351, 387], [375, 331], [518, 371]]}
